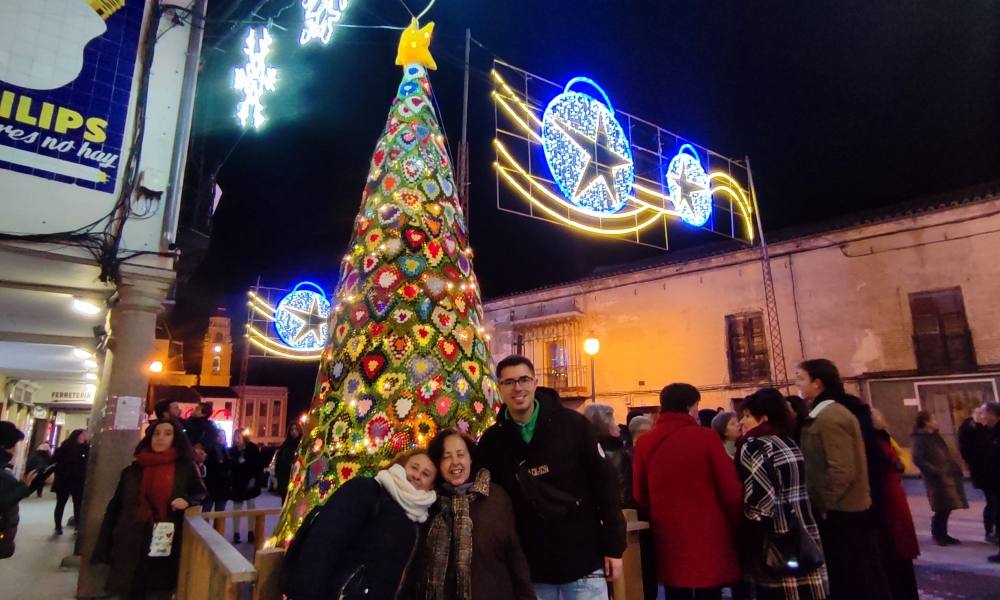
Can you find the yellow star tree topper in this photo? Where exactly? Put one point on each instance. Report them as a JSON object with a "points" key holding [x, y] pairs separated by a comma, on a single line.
{"points": [[414, 46]]}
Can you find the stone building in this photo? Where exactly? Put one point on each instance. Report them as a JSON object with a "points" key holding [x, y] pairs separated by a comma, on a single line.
{"points": [[903, 299]]}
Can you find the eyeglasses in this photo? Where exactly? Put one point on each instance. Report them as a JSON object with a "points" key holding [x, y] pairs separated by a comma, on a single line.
{"points": [[523, 381]]}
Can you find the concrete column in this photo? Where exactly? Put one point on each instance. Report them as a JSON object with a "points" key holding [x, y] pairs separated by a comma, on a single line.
{"points": [[141, 292]]}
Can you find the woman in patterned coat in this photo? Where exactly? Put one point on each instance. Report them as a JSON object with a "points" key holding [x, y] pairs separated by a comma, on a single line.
{"points": [[774, 491]]}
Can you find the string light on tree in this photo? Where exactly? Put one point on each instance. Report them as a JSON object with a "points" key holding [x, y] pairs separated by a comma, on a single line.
{"points": [[319, 19], [254, 78], [689, 185]]}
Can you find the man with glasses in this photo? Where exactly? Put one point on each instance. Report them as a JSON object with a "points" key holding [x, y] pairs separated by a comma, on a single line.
{"points": [[565, 494]]}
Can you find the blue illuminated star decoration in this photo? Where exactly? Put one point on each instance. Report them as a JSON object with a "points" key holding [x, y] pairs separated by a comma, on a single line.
{"points": [[254, 78], [587, 151], [319, 19], [301, 318], [689, 187]]}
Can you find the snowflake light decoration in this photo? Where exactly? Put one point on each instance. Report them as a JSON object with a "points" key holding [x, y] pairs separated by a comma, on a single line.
{"points": [[320, 18], [689, 186], [254, 78], [587, 151]]}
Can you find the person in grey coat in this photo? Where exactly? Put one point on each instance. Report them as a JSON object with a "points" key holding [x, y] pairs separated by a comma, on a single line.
{"points": [[942, 476]]}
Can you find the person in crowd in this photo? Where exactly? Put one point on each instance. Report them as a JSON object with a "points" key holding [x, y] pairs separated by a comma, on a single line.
{"points": [[12, 490], [285, 458], [472, 550], [167, 409], [837, 479], [215, 475], [69, 463], [149, 502], [799, 411], [688, 485], [638, 426], [727, 426], [564, 493], [991, 454], [363, 540], [246, 466], [200, 428], [973, 434], [775, 499], [609, 436], [898, 541], [706, 415], [39, 462], [942, 475]]}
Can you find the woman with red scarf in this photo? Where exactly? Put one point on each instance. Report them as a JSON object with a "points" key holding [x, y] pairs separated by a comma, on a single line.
{"points": [[140, 536]]}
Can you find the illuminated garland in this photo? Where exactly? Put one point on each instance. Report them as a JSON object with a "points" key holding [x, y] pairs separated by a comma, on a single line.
{"points": [[573, 129]]}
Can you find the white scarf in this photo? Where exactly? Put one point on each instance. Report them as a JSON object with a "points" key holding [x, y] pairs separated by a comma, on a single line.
{"points": [[414, 502]]}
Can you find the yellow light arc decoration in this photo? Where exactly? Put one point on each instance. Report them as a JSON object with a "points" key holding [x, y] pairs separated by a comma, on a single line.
{"points": [[537, 191], [261, 341]]}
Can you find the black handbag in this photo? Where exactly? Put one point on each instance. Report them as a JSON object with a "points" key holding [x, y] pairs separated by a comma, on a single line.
{"points": [[792, 553]]}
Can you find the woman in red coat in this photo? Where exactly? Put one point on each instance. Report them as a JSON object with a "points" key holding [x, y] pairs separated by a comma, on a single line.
{"points": [[899, 539], [688, 484]]}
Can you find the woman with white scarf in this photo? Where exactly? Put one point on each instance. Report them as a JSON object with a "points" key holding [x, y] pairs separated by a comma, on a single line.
{"points": [[363, 541]]}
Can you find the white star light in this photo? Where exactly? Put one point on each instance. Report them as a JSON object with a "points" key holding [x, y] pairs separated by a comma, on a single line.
{"points": [[254, 78], [587, 151], [320, 18], [301, 320], [689, 187]]}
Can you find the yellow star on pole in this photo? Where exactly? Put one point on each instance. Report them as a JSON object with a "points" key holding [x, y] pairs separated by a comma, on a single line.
{"points": [[414, 46]]}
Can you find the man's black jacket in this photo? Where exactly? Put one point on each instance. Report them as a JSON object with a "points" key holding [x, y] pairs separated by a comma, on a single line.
{"points": [[565, 493]]}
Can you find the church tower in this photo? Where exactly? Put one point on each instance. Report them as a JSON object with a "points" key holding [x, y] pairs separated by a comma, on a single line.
{"points": [[216, 352]]}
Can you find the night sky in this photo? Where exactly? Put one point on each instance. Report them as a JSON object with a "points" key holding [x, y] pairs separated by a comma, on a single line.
{"points": [[841, 105]]}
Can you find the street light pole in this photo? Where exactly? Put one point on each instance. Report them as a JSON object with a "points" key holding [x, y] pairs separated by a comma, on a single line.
{"points": [[592, 346], [593, 380]]}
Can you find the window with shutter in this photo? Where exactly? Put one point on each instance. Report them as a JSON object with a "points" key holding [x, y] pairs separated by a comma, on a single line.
{"points": [[942, 340], [747, 348]]}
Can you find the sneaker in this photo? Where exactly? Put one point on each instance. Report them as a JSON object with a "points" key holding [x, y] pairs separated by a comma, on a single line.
{"points": [[994, 559], [250, 537], [236, 538]]}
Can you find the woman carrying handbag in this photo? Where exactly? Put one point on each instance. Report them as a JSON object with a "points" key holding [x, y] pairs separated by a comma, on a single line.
{"points": [[784, 547]]}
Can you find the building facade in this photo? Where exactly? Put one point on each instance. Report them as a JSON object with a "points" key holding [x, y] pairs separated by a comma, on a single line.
{"points": [[903, 301], [259, 410]]}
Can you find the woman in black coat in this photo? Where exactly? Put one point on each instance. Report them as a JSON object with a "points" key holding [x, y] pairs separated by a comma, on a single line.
{"points": [[245, 467], [285, 458], [152, 494], [70, 466], [362, 542]]}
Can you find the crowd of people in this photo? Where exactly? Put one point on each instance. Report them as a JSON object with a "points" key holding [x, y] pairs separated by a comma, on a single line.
{"points": [[783, 498]]}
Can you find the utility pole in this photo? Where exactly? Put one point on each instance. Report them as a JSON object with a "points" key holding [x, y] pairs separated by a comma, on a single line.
{"points": [[463, 146], [778, 368]]}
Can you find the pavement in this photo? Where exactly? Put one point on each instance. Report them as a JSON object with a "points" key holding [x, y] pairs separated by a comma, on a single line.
{"points": [[948, 573]]}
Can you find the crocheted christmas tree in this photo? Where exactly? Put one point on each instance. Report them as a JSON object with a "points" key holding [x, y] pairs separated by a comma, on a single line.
{"points": [[407, 353]]}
